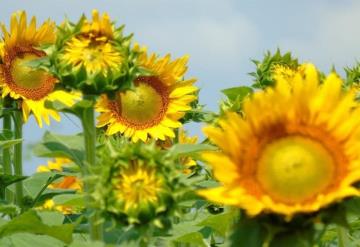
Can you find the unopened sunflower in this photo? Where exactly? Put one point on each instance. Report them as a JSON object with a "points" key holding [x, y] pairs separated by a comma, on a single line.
{"points": [[94, 46], [31, 86], [294, 151], [153, 108], [137, 183]]}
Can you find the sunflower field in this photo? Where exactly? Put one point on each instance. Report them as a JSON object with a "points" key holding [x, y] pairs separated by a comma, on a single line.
{"points": [[278, 164]]}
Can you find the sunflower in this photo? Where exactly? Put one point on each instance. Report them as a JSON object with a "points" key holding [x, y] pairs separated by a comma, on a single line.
{"points": [[137, 187], [295, 151], [33, 87], [188, 162], [155, 104], [93, 47], [66, 183]]}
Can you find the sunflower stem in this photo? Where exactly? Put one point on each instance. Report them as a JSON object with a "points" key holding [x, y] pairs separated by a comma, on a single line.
{"points": [[6, 151], [18, 169], [89, 129], [343, 237]]}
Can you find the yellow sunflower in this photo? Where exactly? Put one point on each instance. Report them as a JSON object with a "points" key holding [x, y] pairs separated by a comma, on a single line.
{"points": [[33, 87], [153, 108], [295, 151], [93, 48], [188, 162], [137, 187], [66, 182]]}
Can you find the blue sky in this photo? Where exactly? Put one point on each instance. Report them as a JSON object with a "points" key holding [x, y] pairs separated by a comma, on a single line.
{"points": [[220, 36]]}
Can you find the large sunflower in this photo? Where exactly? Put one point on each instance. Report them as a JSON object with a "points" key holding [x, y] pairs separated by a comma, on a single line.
{"points": [[93, 47], [153, 108], [33, 87], [296, 150]]}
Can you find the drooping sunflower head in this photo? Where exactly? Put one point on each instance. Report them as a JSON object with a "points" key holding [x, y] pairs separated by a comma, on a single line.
{"points": [[95, 46], [153, 108], [31, 86], [292, 152]]}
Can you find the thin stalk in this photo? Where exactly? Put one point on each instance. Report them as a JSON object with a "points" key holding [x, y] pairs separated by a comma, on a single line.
{"points": [[18, 169], [343, 237], [6, 152], [89, 129]]}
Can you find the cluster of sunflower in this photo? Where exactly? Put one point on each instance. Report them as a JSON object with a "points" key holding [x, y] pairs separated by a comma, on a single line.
{"points": [[286, 149], [140, 98]]}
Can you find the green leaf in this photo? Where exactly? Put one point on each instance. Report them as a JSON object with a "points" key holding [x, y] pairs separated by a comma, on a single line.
{"points": [[35, 183], [220, 222], [237, 93], [30, 222], [74, 200], [52, 218], [54, 145], [9, 209], [9, 143], [6, 180], [248, 232], [194, 238], [188, 149], [30, 240]]}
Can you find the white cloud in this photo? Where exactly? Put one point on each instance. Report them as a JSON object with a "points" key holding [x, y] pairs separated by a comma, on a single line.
{"points": [[334, 36]]}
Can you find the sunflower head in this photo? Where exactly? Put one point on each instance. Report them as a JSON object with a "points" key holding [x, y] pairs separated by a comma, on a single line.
{"points": [[154, 106], [137, 184], [63, 183], [66, 182], [188, 162], [95, 57], [297, 156], [30, 86], [271, 66]]}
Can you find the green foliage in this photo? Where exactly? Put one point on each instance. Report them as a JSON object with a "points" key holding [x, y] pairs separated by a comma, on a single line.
{"points": [[235, 97], [54, 145], [263, 73], [30, 222]]}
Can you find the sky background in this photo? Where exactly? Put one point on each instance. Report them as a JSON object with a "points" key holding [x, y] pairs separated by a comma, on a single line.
{"points": [[220, 36]]}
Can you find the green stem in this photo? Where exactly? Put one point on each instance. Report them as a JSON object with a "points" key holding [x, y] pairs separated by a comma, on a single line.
{"points": [[343, 237], [18, 169], [88, 123], [6, 151]]}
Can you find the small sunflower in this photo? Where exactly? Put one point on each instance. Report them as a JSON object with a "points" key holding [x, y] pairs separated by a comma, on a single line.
{"points": [[66, 182], [154, 106], [33, 87], [188, 162], [137, 186], [94, 46], [293, 152]]}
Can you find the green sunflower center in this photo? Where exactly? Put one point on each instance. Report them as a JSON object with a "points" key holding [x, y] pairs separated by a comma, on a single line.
{"points": [[145, 105], [22, 79], [25, 76], [293, 169]]}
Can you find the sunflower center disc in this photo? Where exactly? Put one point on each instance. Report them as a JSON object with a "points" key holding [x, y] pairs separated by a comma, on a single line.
{"points": [[293, 169], [141, 106], [25, 76]]}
